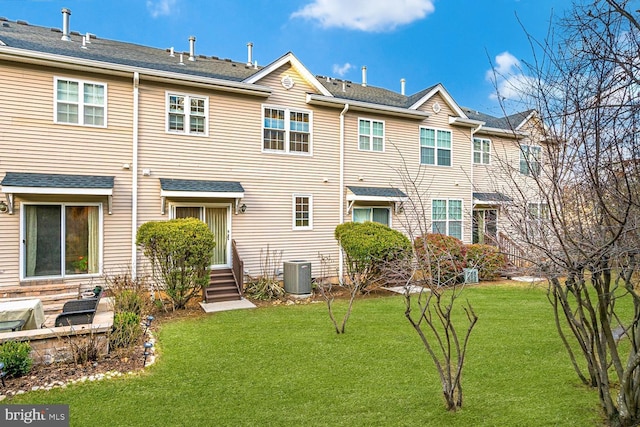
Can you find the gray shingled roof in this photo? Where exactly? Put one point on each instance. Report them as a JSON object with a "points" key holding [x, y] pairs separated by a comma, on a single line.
{"points": [[345, 89], [21, 35], [509, 122], [47, 40], [376, 191], [491, 197], [49, 180], [201, 186]]}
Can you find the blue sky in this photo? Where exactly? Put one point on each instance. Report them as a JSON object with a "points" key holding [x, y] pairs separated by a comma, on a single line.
{"points": [[453, 42]]}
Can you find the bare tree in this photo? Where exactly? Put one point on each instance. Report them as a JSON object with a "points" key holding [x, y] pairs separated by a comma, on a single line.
{"points": [[432, 288], [585, 87]]}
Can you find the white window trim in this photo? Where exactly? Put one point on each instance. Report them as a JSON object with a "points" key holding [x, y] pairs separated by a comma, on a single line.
{"points": [[293, 212], [187, 114], [436, 148], [521, 158], [23, 276], [474, 151], [384, 135], [390, 225], [287, 131], [81, 104], [448, 219]]}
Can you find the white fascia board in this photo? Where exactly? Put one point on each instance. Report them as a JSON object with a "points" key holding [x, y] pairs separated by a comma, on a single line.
{"points": [[448, 98], [295, 63], [201, 194], [502, 132], [353, 197], [367, 107], [460, 121], [47, 59], [529, 117], [58, 190]]}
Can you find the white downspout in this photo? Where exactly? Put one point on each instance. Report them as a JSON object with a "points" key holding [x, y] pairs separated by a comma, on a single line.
{"points": [[342, 113], [134, 179]]}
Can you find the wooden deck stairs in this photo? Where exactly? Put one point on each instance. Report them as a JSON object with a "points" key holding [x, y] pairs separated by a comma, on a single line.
{"points": [[222, 286]]}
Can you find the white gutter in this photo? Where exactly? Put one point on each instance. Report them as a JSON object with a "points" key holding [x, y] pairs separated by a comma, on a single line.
{"points": [[368, 107], [41, 58], [134, 179], [340, 257]]}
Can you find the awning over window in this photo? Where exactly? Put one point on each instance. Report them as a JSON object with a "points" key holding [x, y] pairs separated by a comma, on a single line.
{"points": [[48, 183], [490, 198], [180, 188], [375, 194]]}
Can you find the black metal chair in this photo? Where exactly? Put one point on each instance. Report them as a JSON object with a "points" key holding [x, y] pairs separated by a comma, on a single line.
{"points": [[79, 312]]}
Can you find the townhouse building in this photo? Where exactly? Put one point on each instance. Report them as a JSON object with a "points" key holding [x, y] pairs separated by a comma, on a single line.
{"points": [[98, 137]]}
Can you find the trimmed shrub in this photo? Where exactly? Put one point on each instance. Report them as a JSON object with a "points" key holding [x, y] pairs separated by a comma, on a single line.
{"points": [[487, 259], [16, 357], [180, 251], [126, 330], [442, 258], [366, 245]]}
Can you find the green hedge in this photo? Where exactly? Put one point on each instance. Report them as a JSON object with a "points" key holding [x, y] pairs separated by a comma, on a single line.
{"points": [[487, 259]]}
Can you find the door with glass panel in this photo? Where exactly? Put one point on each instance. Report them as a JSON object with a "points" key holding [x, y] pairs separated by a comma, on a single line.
{"points": [[217, 219], [485, 226]]}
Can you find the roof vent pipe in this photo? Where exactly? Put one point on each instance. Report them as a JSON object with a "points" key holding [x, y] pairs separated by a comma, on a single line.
{"points": [[66, 13], [364, 76], [402, 83], [249, 54], [192, 48]]}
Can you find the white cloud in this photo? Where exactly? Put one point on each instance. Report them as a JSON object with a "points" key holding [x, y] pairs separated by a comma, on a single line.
{"points": [[160, 7], [341, 70], [509, 80], [365, 15]]}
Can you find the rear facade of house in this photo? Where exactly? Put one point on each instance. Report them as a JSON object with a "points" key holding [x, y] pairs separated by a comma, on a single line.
{"points": [[98, 137]]}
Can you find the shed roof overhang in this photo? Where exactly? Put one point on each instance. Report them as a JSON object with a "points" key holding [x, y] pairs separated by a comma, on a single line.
{"points": [[376, 194], [183, 188], [47, 183]]}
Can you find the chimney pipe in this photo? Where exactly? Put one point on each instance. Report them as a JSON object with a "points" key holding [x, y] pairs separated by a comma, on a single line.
{"points": [[192, 48], [249, 54], [402, 83], [364, 76], [66, 13]]}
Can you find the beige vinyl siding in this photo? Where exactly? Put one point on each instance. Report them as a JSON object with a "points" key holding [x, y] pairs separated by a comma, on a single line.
{"points": [[402, 145], [31, 142], [232, 151]]}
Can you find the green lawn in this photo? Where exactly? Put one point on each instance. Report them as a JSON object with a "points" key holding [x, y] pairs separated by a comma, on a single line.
{"points": [[285, 366]]}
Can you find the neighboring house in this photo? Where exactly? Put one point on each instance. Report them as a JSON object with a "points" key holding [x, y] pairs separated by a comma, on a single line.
{"points": [[98, 137]]}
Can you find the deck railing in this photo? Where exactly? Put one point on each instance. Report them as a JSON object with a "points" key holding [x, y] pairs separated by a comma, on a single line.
{"points": [[238, 267], [516, 256]]}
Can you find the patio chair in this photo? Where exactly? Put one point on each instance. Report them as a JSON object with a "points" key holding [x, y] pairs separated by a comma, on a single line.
{"points": [[81, 311]]}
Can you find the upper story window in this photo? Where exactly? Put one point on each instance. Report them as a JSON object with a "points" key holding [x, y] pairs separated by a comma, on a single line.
{"points": [[379, 215], [481, 151], [435, 147], [530, 156], [370, 135], [446, 217], [286, 131], [302, 212], [187, 114], [80, 102]]}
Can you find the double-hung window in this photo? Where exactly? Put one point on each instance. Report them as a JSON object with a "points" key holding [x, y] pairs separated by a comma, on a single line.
{"points": [[61, 239], [530, 156], [446, 217], [379, 215], [80, 102], [370, 135], [481, 151], [286, 131], [435, 147], [302, 212], [187, 114]]}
